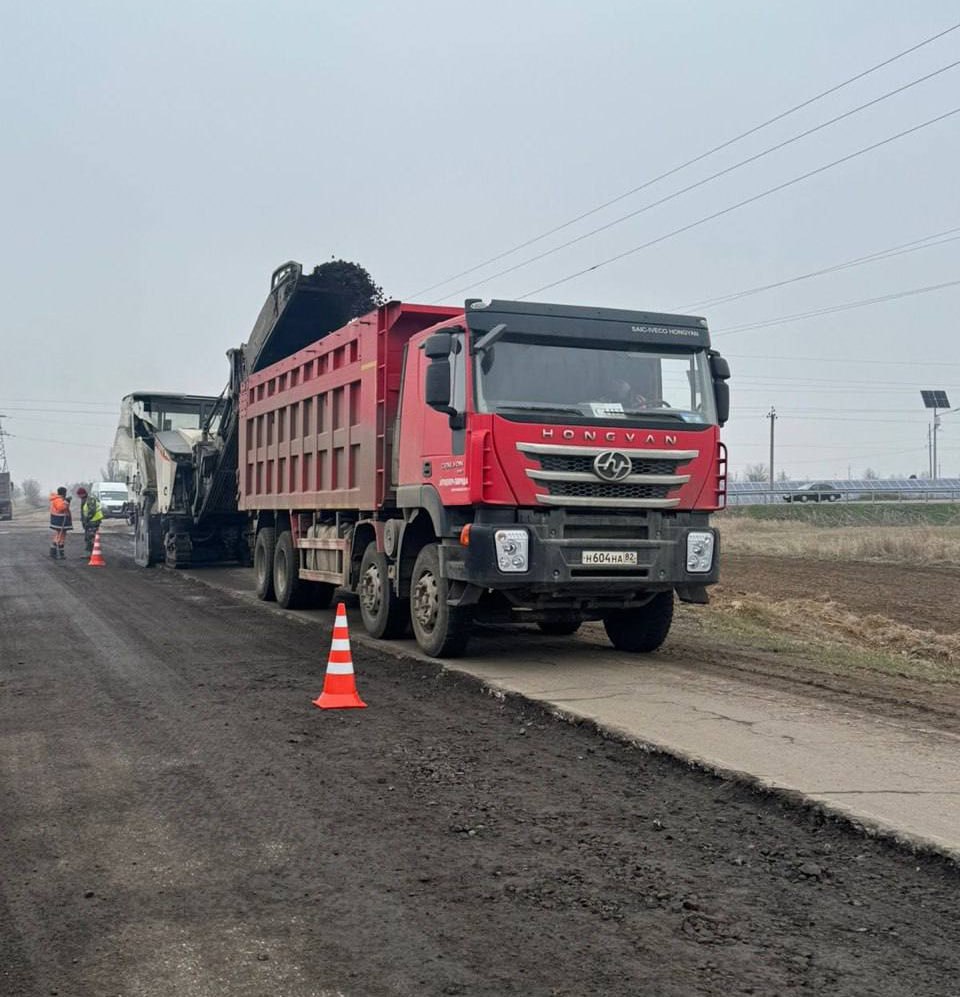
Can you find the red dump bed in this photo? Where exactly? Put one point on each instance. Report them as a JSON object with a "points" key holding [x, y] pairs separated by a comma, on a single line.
{"points": [[316, 427]]}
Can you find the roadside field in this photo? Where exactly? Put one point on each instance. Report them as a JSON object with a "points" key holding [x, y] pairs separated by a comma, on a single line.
{"points": [[868, 591], [916, 533], [852, 513]]}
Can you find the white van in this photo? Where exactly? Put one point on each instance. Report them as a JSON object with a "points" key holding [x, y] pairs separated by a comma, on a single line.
{"points": [[113, 497]]}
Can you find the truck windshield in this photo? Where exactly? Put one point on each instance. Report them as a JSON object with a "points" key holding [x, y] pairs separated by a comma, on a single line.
{"points": [[176, 416], [620, 383]]}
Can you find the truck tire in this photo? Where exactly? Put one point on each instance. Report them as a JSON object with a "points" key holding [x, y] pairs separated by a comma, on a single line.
{"points": [[290, 591], [263, 549], [559, 628], [442, 631], [384, 614], [147, 540], [641, 630]]}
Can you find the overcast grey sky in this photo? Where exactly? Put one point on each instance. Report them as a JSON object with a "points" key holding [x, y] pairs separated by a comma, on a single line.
{"points": [[160, 160]]}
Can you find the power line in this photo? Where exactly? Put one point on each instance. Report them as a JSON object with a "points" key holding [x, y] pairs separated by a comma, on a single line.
{"points": [[62, 401], [811, 381], [863, 456], [862, 303], [746, 201], [55, 411], [830, 418], [883, 254], [73, 422], [773, 385], [63, 443], [850, 360], [805, 446], [691, 162], [702, 182]]}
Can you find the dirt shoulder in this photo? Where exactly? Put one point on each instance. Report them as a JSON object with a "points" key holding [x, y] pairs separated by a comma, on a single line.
{"points": [[926, 598], [882, 636]]}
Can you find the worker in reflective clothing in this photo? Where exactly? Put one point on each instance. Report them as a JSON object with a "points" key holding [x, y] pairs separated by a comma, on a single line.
{"points": [[61, 521], [91, 515]]}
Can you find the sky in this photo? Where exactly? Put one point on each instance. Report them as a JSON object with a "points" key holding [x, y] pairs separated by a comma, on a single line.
{"points": [[159, 161]]}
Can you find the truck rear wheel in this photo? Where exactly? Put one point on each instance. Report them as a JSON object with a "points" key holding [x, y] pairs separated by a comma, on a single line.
{"points": [[263, 550], [442, 631], [287, 587], [384, 614], [641, 630]]}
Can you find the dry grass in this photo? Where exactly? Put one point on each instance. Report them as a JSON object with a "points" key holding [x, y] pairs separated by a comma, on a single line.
{"points": [[837, 636], [782, 538]]}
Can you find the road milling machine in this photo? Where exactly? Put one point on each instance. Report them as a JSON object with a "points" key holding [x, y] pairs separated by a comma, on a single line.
{"points": [[179, 451]]}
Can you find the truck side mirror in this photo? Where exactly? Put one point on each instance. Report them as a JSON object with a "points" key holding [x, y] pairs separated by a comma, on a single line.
{"points": [[437, 388], [721, 391], [721, 374], [438, 345], [719, 368], [438, 385]]}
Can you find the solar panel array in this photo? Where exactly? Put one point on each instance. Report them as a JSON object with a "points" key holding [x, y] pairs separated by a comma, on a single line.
{"points": [[865, 489]]}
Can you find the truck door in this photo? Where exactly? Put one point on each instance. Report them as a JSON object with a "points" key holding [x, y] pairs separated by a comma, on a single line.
{"points": [[441, 461]]}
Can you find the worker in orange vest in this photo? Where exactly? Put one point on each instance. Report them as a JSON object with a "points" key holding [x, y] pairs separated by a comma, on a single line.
{"points": [[60, 521]]}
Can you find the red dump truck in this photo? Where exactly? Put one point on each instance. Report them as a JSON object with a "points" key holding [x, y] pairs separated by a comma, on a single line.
{"points": [[501, 461]]}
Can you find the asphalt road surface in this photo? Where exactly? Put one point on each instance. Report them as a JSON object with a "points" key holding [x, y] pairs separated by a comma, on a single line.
{"points": [[176, 818]]}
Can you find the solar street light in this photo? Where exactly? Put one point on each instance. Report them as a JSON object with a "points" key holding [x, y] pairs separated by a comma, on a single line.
{"points": [[936, 400]]}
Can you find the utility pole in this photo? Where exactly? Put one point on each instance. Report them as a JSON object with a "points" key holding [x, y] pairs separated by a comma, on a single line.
{"points": [[772, 416], [3, 449], [936, 426]]}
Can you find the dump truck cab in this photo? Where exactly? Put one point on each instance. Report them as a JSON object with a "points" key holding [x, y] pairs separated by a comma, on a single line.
{"points": [[568, 459]]}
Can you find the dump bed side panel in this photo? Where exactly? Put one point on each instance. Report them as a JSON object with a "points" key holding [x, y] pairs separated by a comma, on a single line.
{"points": [[315, 428]]}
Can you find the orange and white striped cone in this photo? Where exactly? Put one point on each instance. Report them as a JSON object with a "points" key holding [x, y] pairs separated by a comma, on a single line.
{"points": [[339, 687], [96, 556]]}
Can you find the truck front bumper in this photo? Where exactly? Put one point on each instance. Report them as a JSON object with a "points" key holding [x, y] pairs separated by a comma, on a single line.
{"points": [[560, 546]]}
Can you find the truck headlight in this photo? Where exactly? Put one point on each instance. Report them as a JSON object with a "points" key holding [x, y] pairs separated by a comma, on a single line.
{"points": [[700, 545], [513, 547]]}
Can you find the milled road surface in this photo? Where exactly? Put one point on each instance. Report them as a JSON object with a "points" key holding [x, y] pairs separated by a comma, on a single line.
{"points": [[178, 819]]}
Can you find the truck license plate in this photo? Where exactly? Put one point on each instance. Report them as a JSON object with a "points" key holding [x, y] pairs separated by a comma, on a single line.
{"points": [[609, 557]]}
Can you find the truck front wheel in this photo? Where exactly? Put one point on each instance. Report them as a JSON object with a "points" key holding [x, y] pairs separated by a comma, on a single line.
{"points": [[263, 551], [641, 630], [441, 630], [384, 614]]}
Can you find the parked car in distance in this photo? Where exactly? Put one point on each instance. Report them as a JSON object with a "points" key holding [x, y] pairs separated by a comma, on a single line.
{"points": [[814, 491], [113, 498]]}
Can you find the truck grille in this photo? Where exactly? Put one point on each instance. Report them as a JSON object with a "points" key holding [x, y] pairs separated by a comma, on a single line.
{"points": [[567, 473], [602, 490], [577, 462]]}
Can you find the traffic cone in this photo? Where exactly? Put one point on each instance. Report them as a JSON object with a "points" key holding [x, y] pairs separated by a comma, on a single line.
{"points": [[96, 557], [339, 688]]}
